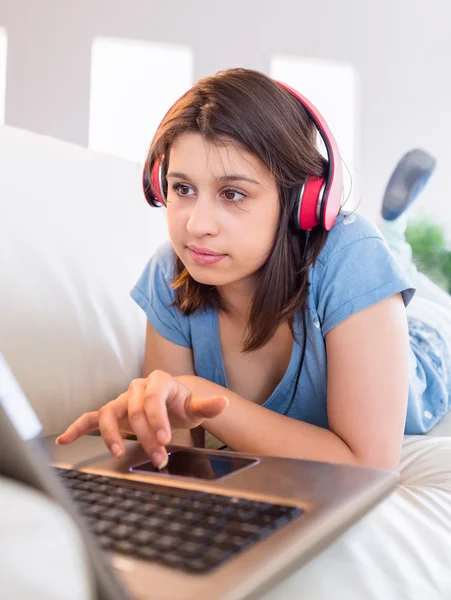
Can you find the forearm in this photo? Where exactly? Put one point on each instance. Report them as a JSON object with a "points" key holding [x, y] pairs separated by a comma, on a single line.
{"points": [[248, 427]]}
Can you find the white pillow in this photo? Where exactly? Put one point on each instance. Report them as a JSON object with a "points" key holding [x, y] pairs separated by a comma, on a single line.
{"points": [[75, 233]]}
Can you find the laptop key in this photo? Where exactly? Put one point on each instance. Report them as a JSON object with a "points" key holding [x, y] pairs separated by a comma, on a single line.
{"points": [[168, 511], [106, 542], [153, 522], [86, 476], [191, 548], [215, 522], [132, 518], [242, 529], [200, 533], [197, 565], [147, 553], [261, 506], [103, 479], [176, 527], [244, 515], [124, 547], [263, 520], [177, 502], [101, 488], [190, 516], [134, 494], [80, 485], [93, 510], [165, 542], [93, 497], [146, 509], [79, 495], [172, 560], [129, 504], [144, 537], [101, 527], [277, 511], [112, 514], [219, 510], [236, 502], [121, 532], [226, 541], [218, 555], [69, 473], [109, 501], [119, 492]]}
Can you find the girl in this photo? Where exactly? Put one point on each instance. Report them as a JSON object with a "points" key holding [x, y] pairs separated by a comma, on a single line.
{"points": [[271, 339]]}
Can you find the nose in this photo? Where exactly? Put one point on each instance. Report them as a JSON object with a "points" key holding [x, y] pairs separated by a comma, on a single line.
{"points": [[203, 219]]}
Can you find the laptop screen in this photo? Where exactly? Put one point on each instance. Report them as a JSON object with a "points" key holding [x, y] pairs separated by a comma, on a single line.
{"points": [[16, 405]]}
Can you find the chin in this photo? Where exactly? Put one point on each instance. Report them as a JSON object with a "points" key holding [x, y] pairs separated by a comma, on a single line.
{"points": [[205, 278]]}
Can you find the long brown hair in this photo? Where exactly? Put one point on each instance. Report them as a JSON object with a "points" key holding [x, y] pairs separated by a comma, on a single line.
{"points": [[253, 111]]}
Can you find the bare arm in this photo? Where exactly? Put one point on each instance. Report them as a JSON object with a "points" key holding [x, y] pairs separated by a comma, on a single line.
{"points": [[368, 377]]}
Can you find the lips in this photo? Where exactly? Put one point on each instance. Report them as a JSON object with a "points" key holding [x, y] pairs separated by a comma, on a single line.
{"points": [[205, 256], [205, 251]]}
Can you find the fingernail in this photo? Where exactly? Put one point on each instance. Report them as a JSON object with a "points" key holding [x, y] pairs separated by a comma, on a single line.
{"points": [[159, 461], [57, 441], [117, 450], [162, 436]]}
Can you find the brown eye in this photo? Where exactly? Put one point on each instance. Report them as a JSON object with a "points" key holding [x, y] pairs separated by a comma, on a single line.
{"points": [[230, 195], [181, 189]]}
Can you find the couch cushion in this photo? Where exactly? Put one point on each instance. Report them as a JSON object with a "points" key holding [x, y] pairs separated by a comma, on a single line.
{"points": [[399, 550], [75, 233]]}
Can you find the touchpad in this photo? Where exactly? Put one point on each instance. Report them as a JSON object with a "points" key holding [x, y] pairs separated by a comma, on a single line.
{"points": [[201, 465]]}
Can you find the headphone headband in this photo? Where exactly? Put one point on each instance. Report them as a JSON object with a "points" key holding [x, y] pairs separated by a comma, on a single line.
{"points": [[318, 201], [333, 189]]}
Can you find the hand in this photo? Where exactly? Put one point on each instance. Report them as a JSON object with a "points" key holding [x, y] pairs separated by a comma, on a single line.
{"points": [[150, 409]]}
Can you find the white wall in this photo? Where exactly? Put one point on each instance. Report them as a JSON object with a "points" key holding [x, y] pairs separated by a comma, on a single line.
{"points": [[401, 49]]}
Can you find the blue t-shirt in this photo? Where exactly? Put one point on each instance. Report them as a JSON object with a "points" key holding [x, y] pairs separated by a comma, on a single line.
{"points": [[354, 270]]}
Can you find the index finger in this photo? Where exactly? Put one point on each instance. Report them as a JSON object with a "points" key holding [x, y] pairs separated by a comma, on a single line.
{"points": [[87, 422]]}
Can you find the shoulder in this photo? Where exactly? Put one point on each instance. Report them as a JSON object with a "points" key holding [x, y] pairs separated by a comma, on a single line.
{"points": [[349, 229], [155, 279], [163, 258], [160, 268], [154, 294], [354, 270]]}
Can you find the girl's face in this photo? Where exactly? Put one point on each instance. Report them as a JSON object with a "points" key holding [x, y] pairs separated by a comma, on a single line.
{"points": [[223, 209]]}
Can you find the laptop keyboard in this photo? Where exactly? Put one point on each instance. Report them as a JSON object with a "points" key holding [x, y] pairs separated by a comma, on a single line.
{"points": [[185, 529]]}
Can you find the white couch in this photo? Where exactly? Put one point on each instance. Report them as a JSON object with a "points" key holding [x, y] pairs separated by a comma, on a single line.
{"points": [[75, 233]]}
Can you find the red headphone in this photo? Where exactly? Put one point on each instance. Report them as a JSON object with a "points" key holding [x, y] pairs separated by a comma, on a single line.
{"points": [[318, 200]]}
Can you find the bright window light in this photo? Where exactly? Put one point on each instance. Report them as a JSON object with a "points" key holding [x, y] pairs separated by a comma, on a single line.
{"points": [[3, 48], [133, 84], [333, 88]]}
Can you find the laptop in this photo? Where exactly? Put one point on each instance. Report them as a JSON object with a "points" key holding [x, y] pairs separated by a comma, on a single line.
{"points": [[213, 524]]}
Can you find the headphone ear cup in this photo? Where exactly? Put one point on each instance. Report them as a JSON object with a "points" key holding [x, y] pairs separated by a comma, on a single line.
{"points": [[309, 203], [154, 193]]}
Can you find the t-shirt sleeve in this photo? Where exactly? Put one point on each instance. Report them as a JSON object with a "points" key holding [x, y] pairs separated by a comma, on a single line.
{"points": [[356, 276], [153, 293]]}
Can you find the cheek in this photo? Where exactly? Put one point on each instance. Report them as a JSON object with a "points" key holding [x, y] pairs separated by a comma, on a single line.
{"points": [[253, 247], [260, 232], [175, 224]]}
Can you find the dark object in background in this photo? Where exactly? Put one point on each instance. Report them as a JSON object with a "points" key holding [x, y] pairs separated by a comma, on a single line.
{"points": [[408, 179]]}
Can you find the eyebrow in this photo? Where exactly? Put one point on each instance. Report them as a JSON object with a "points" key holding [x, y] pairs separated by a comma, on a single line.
{"points": [[229, 177]]}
